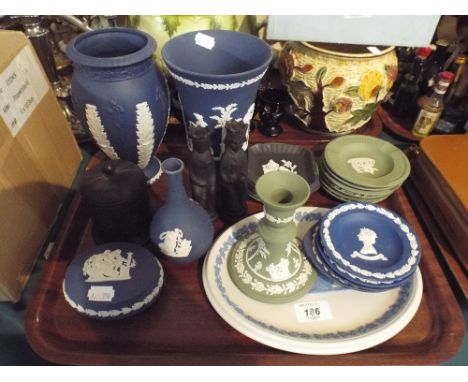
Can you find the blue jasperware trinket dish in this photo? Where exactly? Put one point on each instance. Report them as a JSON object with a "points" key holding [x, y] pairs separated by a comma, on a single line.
{"points": [[367, 245], [112, 281]]}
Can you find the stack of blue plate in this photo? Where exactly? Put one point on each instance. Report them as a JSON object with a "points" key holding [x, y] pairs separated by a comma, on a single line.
{"points": [[363, 246]]}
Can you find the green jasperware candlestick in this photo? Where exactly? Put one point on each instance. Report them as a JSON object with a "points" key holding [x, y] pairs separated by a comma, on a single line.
{"points": [[268, 265]]}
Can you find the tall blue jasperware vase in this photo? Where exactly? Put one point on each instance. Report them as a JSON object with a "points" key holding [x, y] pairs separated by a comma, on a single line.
{"points": [[181, 229], [120, 95], [217, 74]]}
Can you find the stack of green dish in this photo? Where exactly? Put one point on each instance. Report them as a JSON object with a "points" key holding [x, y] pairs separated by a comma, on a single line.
{"points": [[362, 168]]}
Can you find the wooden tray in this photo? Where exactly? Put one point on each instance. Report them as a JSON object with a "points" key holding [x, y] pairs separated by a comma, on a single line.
{"points": [[181, 328], [441, 245], [396, 126]]}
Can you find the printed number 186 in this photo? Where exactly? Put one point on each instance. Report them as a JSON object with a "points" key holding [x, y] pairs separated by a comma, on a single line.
{"points": [[312, 312]]}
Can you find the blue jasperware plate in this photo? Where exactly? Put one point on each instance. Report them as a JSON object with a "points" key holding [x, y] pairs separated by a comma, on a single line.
{"points": [[315, 253], [351, 321], [370, 242]]}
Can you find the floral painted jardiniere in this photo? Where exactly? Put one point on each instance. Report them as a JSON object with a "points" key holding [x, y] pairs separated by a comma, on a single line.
{"points": [[336, 88]]}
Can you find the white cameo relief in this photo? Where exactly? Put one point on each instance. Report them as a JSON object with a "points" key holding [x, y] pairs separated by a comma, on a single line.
{"points": [[247, 117], [174, 244], [221, 120], [199, 122], [225, 115], [280, 271], [274, 166], [97, 130], [145, 133], [363, 165], [108, 266], [219, 86], [368, 252]]}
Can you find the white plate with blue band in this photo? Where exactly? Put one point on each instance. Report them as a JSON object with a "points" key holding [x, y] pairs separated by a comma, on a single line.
{"points": [[328, 320]]}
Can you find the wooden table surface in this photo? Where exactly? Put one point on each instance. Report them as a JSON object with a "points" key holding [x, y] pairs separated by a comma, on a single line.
{"points": [[182, 328]]}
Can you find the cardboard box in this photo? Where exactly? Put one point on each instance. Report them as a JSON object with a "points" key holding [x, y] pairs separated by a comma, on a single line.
{"points": [[39, 159]]}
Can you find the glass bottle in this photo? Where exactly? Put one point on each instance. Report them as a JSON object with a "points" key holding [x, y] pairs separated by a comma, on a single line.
{"points": [[453, 116], [434, 65], [432, 107], [406, 95], [405, 60], [457, 67]]}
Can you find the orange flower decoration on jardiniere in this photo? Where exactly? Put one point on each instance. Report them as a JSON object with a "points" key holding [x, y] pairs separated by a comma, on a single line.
{"points": [[287, 65], [343, 105], [392, 73], [337, 82]]}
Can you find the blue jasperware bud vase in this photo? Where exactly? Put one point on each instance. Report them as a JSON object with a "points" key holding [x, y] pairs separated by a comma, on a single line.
{"points": [[120, 95], [217, 74], [181, 229]]}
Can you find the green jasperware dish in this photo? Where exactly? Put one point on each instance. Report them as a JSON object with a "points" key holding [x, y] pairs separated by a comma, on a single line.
{"points": [[346, 188], [324, 169], [367, 161], [349, 198]]}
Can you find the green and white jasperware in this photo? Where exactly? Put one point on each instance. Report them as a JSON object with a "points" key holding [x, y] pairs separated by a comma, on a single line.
{"points": [[367, 161], [362, 168], [268, 264]]}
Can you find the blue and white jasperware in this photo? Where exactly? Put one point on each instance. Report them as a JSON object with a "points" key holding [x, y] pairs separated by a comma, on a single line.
{"points": [[181, 229], [328, 269], [217, 74], [363, 241], [120, 95], [113, 280]]}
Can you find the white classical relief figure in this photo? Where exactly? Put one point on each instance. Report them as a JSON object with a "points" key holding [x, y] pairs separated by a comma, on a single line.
{"points": [[199, 121], [225, 116], [173, 244], [274, 166], [368, 252], [108, 266], [280, 271], [363, 165], [247, 117]]}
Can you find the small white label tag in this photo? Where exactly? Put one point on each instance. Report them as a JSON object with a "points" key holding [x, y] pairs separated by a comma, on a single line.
{"points": [[22, 87], [204, 40], [101, 293], [374, 50], [313, 311]]}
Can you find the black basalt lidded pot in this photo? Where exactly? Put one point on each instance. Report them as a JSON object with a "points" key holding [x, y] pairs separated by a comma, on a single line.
{"points": [[116, 196]]}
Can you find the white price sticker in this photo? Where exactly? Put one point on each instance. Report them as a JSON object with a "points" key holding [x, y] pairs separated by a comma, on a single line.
{"points": [[374, 50], [204, 40], [101, 293], [22, 87], [313, 311]]}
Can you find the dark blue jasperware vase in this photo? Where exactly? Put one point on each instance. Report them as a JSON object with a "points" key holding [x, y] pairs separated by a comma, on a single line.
{"points": [[181, 229], [217, 74], [120, 95]]}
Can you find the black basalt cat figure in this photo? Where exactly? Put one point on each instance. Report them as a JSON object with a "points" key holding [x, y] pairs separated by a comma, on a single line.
{"points": [[233, 174], [202, 169]]}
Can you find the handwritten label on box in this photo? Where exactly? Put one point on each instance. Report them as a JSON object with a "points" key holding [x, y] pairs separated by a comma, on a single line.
{"points": [[22, 87]]}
